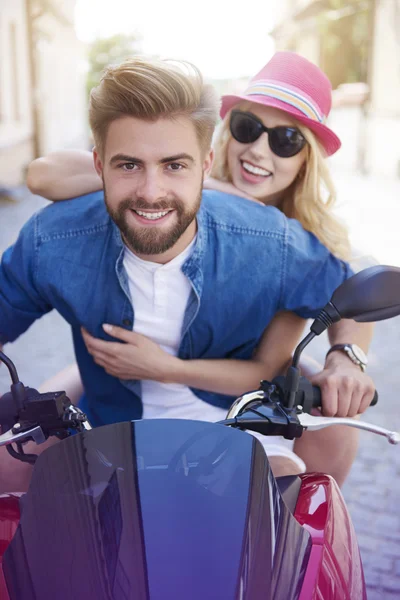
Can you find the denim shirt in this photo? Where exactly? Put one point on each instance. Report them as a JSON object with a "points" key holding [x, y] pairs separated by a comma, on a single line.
{"points": [[249, 262]]}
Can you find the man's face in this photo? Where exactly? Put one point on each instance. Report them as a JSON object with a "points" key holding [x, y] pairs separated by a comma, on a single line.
{"points": [[153, 176]]}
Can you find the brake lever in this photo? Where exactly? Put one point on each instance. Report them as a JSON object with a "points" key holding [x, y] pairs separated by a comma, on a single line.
{"points": [[314, 423], [36, 433]]}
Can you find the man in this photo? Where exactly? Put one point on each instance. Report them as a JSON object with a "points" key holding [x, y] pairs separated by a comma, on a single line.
{"points": [[200, 274]]}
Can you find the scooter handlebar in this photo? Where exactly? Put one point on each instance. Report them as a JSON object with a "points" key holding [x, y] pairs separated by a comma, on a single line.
{"points": [[308, 396], [317, 397]]}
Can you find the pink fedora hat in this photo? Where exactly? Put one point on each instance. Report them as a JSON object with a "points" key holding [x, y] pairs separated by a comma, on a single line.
{"points": [[298, 87]]}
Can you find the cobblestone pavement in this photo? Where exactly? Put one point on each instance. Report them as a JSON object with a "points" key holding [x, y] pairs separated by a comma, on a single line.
{"points": [[372, 490]]}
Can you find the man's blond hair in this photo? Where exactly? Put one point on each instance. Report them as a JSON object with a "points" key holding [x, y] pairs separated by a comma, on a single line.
{"points": [[149, 89]]}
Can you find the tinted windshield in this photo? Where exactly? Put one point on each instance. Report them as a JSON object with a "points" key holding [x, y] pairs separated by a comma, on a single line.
{"points": [[167, 509]]}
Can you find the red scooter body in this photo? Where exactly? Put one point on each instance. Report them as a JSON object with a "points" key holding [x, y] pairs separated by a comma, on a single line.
{"points": [[9, 519], [334, 570]]}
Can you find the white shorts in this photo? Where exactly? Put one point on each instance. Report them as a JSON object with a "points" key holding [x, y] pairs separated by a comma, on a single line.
{"points": [[278, 446]]}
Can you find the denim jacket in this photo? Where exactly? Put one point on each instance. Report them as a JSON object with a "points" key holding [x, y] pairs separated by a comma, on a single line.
{"points": [[249, 262]]}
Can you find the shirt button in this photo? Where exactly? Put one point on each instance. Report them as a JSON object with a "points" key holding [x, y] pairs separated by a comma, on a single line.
{"points": [[127, 323]]}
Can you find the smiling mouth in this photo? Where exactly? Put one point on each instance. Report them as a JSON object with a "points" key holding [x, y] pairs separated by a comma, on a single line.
{"points": [[151, 216], [253, 170]]}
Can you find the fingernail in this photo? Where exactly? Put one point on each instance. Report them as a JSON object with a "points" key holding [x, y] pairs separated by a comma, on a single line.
{"points": [[107, 328]]}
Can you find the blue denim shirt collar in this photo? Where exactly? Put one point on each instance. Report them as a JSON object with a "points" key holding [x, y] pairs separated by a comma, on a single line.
{"points": [[119, 253], [193, 266]]}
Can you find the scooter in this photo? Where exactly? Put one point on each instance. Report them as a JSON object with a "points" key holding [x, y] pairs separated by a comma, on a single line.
{"points": [[180, 509]]}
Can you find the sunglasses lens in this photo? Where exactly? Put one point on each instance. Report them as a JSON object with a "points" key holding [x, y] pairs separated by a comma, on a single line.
{"points": [[244, 128], [286, 141]]}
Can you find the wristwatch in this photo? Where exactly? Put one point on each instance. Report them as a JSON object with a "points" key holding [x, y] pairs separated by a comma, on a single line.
{"points": [[354, 352]]}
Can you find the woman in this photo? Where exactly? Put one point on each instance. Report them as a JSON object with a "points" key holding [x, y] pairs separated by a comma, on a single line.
{"points": [[271, 148]]}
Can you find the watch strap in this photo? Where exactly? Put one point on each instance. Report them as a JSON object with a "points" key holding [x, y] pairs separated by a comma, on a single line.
{"points": [[347, 349]]}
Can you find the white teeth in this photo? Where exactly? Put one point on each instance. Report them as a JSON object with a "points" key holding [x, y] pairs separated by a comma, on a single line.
{"points": [[255, 170], [152, 216]]}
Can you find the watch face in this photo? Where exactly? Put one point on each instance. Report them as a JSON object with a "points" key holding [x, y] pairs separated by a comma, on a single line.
{"points": [[359, 354]]}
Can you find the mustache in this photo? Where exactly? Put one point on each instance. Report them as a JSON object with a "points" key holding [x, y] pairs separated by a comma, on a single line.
{"points": [[140, 204]]}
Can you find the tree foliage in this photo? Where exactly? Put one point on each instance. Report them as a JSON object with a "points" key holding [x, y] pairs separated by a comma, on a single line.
{"points": [[345, 32]]}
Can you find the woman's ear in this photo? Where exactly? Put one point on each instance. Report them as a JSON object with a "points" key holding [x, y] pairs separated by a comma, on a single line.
{"points": [[302, 171]]}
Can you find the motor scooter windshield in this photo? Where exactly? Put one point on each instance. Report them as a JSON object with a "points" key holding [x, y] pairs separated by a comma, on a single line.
{"points": [[155, 509]]}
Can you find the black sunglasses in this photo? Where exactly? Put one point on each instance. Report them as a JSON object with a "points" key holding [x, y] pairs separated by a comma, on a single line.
{"points": [[285, 142]]}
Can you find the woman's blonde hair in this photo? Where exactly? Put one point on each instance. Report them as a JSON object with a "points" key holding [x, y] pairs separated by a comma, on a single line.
{"points": [[149, 89], [310, 198]]}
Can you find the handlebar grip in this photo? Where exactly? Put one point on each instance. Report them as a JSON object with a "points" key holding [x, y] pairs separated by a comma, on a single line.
{"points": [[317, 397], [375, 399], [9, 410]]}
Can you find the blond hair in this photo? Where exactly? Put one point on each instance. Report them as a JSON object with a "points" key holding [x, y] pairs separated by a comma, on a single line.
{"points": [[149, 89], [311, 197]]}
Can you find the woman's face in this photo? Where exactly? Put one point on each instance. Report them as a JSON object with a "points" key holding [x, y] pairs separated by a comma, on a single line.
{"points": [[254, 168]]}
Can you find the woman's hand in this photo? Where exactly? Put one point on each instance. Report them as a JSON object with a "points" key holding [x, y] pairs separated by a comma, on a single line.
{"points": [[227, 188], [137, 357]]}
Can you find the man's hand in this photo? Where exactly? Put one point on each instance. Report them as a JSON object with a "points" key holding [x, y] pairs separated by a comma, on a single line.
{"points": [[137, 358], [346, 390]]}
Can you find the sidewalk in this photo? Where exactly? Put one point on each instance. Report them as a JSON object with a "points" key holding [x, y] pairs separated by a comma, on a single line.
{"points": [[372, 209]]}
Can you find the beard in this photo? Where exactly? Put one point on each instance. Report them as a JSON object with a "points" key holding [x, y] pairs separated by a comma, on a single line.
{"points": [[152, 240]]}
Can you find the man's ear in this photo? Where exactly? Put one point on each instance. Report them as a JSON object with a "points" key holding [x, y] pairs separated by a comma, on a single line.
{"points": [[208, 162], [98, 165]]}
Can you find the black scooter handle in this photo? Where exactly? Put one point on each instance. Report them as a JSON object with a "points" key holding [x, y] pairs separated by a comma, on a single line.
{"points": [[317, 397]]}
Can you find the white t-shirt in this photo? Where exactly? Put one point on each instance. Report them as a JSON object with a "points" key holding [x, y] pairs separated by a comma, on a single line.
{"points": [[160, 294]]}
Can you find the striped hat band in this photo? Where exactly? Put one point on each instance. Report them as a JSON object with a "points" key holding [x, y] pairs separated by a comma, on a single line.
{"points": [[287, 95]]}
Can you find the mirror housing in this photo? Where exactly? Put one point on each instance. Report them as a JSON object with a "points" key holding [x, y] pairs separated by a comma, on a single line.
{"points": [[371, 295]]}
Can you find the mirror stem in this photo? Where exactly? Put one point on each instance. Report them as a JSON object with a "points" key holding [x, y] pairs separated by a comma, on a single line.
{"points": [[296, 356], [327, 316], [293, 372], [10, 366], [17, 388]]}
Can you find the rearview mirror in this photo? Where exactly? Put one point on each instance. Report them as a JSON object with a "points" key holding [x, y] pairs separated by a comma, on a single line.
{"points": [[371, 295]]}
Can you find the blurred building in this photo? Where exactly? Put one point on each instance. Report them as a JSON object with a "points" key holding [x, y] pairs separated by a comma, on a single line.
{"points": [[42, 83], [357, 44]]}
